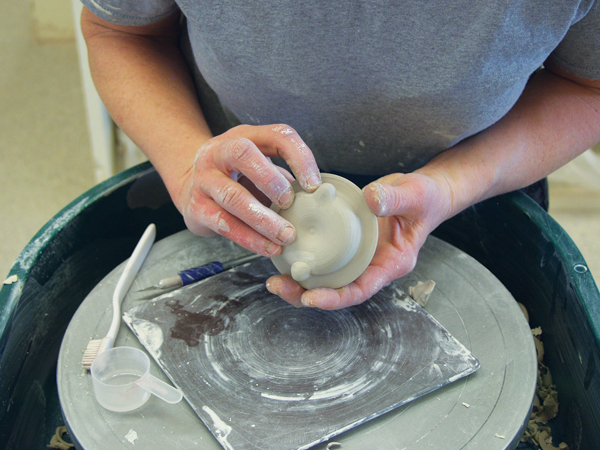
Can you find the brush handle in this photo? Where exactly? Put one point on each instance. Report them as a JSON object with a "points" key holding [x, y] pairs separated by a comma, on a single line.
{"points": [[190, 276], [129, 273]]}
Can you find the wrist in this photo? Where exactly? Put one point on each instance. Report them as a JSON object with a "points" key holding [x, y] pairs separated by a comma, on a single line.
{"points": [[177, 171], [464, 175], [446, 192]]}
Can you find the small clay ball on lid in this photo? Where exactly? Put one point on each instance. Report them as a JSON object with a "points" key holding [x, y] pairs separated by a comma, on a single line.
{"points": [[336, 234]]}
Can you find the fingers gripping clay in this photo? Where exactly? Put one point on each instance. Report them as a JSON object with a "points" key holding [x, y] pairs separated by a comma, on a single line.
{"points": [[336, 235]]}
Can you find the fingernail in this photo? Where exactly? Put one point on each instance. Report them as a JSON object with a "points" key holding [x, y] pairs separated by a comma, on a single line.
{"points": [[313, 182], [273, 249], [306, 301], [286, 235], [380, 197], [270, 287], [286, 199]]}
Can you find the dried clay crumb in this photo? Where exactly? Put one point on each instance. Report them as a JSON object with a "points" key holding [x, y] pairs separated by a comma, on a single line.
{"points": [[499, 436], [545, 403], [543, 439], [12, 279], [57, 442], [466, 405], [333, 445], [131, 436], [421, 292]]}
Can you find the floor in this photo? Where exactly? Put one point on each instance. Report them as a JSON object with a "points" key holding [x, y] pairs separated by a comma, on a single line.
{"points": [[46, 159]]}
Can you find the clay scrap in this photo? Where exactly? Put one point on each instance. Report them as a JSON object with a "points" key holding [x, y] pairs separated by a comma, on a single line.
{"points": [[545, 403], [12, 279], [421, 292]]}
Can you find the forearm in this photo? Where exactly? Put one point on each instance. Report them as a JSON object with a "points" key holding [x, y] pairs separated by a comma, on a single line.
{"points": [[146, 87], [554, 121]]}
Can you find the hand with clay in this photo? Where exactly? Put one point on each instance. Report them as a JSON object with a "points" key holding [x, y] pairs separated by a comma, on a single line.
{"points": [[146, 85], [213, 201], [409, 207], [527, 144], [200, 171]]}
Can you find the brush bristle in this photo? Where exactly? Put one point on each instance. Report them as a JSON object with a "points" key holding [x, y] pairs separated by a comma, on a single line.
{"points": [[90, 353]]}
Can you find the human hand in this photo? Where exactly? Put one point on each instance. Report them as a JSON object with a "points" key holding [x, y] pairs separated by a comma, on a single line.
{"points": [[212, 200], [409, 207]]}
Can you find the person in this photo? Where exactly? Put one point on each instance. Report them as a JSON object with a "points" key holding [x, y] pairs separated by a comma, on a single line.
{"points": [[443, 105]]}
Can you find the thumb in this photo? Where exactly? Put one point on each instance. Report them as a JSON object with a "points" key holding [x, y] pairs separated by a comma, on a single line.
{"points": [[385, 200]]}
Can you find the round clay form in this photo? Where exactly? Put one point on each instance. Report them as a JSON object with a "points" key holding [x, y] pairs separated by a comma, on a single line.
{"points": [[336, 234]]}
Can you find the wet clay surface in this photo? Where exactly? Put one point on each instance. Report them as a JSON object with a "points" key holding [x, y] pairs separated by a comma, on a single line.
{"points": [[261, 373], [191, 326]]}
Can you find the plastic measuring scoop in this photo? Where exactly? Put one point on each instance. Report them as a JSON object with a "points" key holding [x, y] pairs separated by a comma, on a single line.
{"points": [[122, 380]]}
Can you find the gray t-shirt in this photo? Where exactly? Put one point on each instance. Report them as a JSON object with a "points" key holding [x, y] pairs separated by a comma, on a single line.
{"points": [[373, 87]]}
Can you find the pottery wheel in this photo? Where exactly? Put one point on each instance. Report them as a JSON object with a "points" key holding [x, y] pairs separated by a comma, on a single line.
{"points": [[265, 375], [485, 410]]}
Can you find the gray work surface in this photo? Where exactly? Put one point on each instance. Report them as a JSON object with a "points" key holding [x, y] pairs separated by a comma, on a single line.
{"points": [[265, 375], [484, 410]]}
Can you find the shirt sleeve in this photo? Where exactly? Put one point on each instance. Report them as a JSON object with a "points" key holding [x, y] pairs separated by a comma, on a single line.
{"points": [[131, 12], [579, 51]]}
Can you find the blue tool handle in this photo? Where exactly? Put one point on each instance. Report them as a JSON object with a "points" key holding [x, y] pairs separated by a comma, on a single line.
{"points": [[190, 276]]}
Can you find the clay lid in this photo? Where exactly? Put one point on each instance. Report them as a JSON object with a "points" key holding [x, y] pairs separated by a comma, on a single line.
{"points": [[336, 234]]}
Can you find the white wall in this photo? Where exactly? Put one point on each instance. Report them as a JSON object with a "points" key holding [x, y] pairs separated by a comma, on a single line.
{"points": [[52, 20]]}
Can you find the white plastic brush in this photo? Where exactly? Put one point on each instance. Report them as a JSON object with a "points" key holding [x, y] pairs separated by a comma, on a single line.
{"points": [[97, 346]]}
